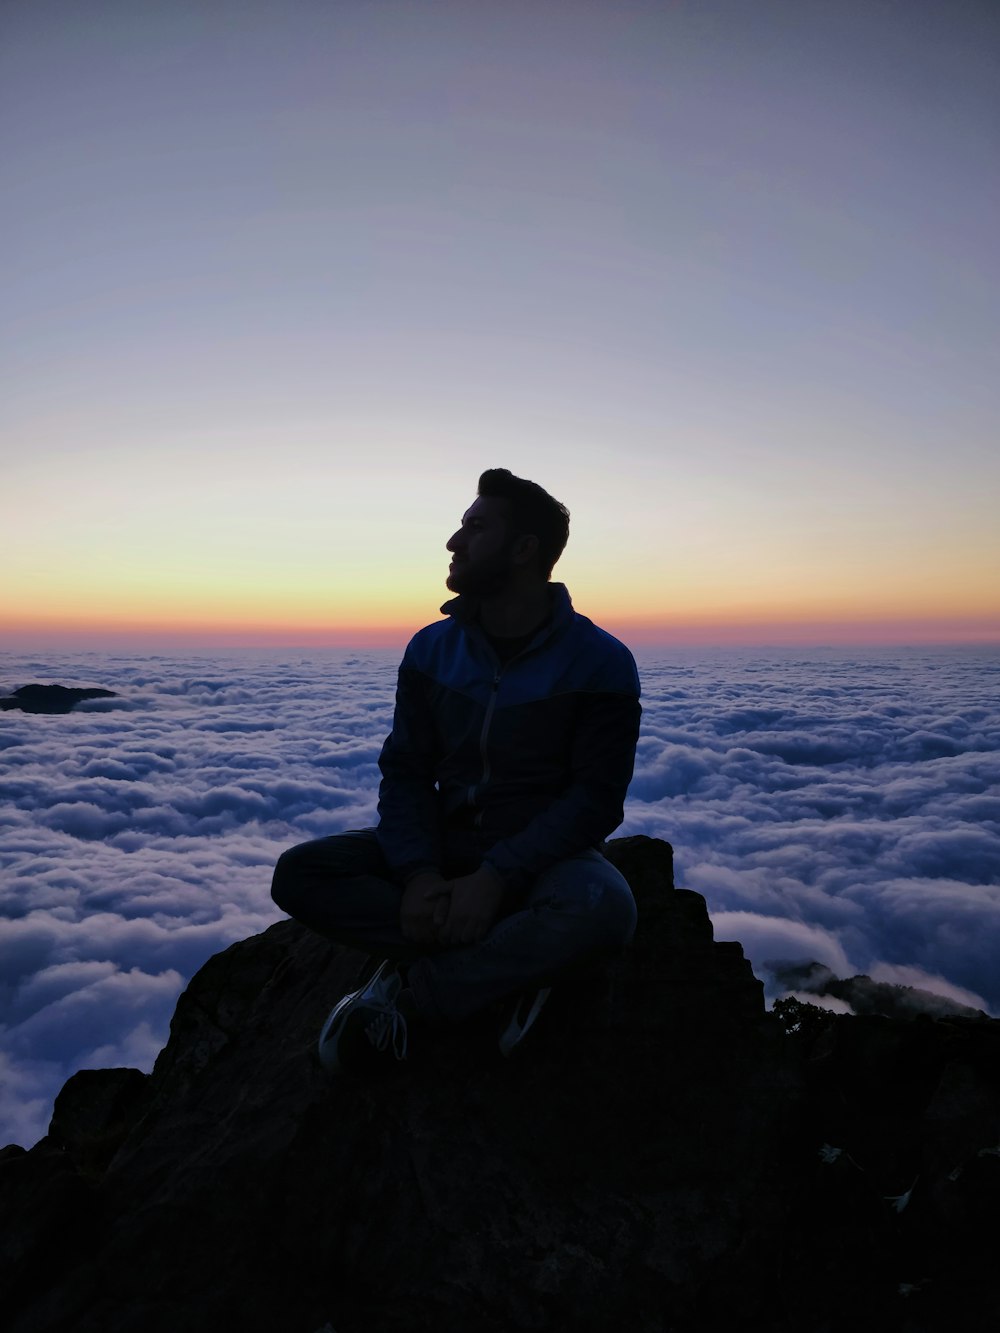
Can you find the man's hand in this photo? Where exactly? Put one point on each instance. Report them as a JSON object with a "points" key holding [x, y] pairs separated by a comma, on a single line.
{"points": [[424, 907], [475, 902]]}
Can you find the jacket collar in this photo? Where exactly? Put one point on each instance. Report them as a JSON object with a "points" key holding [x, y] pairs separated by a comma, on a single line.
{"points": [[465, 609]]}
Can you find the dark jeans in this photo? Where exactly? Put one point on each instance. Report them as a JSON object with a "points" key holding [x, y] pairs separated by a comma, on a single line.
{"points": [[341, 887]]}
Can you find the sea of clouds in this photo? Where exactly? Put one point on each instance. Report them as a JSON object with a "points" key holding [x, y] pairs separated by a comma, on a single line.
{"points": [[831, 806]]}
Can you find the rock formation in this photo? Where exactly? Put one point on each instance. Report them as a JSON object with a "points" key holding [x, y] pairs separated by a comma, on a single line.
{"points": [[866, 996], [660, 1154], [50, 698]]}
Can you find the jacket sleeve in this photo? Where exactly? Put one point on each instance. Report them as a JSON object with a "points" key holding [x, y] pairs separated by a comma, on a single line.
{"points": [[592, 806], [409, 822]]}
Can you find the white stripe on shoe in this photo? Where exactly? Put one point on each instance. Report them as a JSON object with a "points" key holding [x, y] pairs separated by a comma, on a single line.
{"points": [[526, 1009]]}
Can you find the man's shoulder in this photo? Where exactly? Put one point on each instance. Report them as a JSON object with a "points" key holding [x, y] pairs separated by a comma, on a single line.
{"points": [[598, 640], [611, 663], [602, 639], [427, 643], [432, 632]]}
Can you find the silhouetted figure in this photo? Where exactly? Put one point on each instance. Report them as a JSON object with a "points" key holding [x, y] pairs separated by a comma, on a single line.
{"points": [[511, 751]]}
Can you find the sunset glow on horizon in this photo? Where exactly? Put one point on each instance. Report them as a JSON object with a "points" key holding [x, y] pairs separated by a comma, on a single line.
{"points": [[722, 278], [207, 632]]}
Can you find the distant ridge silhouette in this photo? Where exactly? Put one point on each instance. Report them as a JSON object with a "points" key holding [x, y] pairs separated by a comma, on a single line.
{"points": [[51, 698]]}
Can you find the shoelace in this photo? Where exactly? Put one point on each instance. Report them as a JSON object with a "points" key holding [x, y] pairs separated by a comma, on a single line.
{"points": [[388, 1028]]}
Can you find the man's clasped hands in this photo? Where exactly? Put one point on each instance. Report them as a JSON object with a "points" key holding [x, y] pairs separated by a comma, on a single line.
{"points": [[435, 910]]}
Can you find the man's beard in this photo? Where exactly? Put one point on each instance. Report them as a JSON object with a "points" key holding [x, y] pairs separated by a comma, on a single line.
{"points": [[483, 578]]}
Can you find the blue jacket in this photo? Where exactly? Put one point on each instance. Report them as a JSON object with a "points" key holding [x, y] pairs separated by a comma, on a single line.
{"points": [[532, 758]]}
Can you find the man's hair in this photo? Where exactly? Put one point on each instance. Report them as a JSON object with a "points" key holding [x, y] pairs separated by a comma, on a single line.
{"points": [[532, 511]]}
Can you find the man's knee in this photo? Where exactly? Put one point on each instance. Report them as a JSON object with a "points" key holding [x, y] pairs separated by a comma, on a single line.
{"points": [[314, 867], [286, 882], [594, 899], [616, 910]]}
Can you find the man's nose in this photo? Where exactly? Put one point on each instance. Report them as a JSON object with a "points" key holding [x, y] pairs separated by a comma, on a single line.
{"points": [[454, 541]]}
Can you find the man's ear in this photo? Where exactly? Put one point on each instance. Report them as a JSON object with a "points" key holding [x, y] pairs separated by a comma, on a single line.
{"points": [[525, 549]]}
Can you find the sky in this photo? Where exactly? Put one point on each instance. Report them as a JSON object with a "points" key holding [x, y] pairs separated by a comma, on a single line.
{"points": [[280, 279], [832, 805]]}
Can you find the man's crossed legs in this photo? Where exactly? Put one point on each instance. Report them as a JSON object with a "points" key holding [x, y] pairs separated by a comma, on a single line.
{"points": [[341, 887]]}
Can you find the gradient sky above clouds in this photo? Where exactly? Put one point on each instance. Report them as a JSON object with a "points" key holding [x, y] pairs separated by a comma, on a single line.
{"points": [[281, 278]]}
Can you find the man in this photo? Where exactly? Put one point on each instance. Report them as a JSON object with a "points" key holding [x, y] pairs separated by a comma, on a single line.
{"points": [[511, 750]]}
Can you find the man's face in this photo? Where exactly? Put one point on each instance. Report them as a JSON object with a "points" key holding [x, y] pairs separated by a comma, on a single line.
{"points": [[481, 549]]}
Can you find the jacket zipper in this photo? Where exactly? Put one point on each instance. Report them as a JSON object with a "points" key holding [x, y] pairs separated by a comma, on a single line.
{"points": [[484, 732], [483, 736]]}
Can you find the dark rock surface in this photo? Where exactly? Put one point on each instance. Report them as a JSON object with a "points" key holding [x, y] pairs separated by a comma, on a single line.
{"points": [[659, 1155], [51, 698]]}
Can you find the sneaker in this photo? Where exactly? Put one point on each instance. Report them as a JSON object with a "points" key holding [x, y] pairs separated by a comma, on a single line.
{"points": [[527, 1007], [365, 1024]]}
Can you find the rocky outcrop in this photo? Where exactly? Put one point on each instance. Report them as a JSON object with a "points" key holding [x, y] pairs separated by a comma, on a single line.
{"points": [[51, 698], [660, 1154], [866, 996]]}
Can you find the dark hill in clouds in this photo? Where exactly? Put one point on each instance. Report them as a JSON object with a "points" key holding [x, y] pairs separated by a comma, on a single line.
{"points": [[862, 995], [661, 1154], [50, 698]]}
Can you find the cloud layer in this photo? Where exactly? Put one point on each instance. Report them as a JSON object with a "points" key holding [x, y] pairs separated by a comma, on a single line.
{"points": [[836, 807]]}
